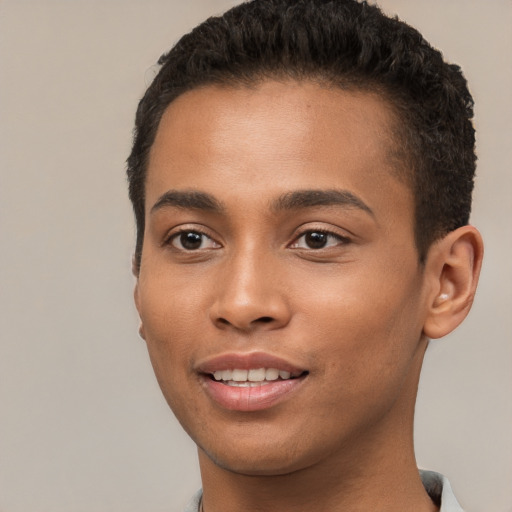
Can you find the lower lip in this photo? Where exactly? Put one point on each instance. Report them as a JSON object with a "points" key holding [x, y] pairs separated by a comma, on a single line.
{"points": [[253, 398]]}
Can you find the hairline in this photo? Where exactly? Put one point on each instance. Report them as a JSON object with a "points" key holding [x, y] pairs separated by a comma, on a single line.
{"points": [[403, 162]]}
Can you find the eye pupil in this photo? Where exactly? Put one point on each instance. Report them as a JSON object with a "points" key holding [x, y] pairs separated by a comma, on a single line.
{"points": [[191, 240], [316, 239]]}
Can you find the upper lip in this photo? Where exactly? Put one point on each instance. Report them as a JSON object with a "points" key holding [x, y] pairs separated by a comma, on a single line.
{"points": [[247, 361]]}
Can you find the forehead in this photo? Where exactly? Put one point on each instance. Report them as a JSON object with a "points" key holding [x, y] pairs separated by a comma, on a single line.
{"points": [[293, 135], [289, 111]]}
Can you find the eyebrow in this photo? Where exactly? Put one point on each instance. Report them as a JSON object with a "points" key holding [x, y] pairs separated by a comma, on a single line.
{"points": [[298, 199], [190, 200], [311, 198]]}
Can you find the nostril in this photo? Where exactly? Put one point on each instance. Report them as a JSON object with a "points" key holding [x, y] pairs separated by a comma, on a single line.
{"points": [[221, 321]]}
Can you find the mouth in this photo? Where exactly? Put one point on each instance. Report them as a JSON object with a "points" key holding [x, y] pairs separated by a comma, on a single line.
{"points": [[250, 382], [253, 377]]}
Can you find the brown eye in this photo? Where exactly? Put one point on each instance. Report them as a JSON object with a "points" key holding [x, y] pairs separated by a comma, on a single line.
{"points": [[316, 239], [192, 241]]}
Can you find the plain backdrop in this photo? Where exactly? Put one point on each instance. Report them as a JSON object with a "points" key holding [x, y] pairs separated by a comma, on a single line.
{"points": [[83, 425]]}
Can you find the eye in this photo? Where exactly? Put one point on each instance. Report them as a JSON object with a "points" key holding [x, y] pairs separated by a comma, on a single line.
{"points": [[191, 240], [317, 239]]}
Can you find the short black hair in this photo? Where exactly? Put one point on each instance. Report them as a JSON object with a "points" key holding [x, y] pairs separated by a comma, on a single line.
{"points": [[342, 43]]}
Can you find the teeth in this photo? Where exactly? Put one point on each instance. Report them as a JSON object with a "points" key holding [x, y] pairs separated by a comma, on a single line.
{"points": [[244, 384], [237, 377], [227, 375], [256, 375], [271, 374]]}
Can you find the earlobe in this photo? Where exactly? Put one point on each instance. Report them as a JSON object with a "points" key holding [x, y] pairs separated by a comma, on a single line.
{"points": [[135, 272], [136, 298], [135, 267], [454, 264], [137, 305]]}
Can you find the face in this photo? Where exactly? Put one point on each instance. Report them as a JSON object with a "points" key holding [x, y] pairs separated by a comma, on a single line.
{"points": [[280, 293]]}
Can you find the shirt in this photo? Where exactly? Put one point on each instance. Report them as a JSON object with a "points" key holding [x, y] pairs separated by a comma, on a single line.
{"points": [[437, 486]]}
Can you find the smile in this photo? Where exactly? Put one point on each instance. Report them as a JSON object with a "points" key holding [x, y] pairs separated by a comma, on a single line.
{"points": [[250, 382], [252, 377]]}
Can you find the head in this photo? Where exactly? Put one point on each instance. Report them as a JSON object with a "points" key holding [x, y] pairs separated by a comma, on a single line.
{"points": [[301, 176], [344, 44]]}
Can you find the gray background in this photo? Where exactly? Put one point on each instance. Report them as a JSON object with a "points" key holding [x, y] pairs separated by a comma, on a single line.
{"points": [[83, 426]]}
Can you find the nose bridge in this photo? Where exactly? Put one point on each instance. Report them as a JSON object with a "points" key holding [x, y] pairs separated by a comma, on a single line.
{"points": [[248, 290]]}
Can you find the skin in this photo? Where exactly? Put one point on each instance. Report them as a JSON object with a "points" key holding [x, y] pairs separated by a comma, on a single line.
{"points": [[355, 313]]}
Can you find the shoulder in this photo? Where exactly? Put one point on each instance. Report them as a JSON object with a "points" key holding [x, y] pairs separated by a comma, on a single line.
{"points": [[439, 489], [437, 486], [193, 504]]}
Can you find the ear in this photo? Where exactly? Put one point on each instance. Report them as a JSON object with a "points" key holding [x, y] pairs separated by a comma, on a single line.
{"points": [[136, 296], [453, 267], [135, 272], [135, 267]]}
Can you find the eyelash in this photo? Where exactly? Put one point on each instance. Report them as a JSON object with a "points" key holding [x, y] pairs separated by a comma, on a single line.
{"points": [[175, 236], [202, 236], [341, 240]]}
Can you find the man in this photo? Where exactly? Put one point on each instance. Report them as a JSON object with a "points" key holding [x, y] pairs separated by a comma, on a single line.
{"points": [[301, 176]]}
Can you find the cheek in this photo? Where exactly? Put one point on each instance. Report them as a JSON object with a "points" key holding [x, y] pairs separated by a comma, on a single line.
{"points": [[170, 326], [170, 306], [369, 325], [170, 330]]}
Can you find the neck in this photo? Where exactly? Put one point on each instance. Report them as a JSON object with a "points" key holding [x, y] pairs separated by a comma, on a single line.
{"points": [[348, 484], [374, 470]]}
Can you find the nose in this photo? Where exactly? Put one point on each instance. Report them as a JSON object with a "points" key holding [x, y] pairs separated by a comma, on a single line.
{"points": [[250, 295]]}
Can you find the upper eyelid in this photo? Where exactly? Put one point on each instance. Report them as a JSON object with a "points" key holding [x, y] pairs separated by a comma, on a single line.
{"points": [[184, 228], [169, 240], [298, 232], [323, 231], [309, 227], [342, 238], [175, 232]]}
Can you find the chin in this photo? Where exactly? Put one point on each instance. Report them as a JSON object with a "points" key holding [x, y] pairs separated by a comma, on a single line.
{"points": [[272, 458], [254, 466]]}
